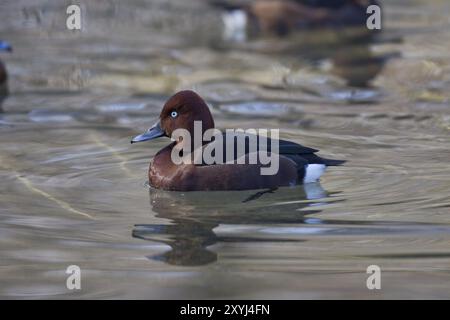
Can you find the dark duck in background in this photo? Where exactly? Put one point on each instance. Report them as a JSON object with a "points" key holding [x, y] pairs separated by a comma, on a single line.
{"points": [[4, 46]]}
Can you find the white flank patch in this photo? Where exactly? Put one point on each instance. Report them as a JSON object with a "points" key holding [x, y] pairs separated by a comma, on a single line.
{"points": [[313, 172], [235, 25]]}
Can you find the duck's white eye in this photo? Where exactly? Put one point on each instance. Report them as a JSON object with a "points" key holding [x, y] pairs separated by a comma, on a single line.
{"points": [[174, 114]]}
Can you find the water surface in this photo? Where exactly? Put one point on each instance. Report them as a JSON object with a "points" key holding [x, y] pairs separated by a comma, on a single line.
{"points": [[73, 190]]}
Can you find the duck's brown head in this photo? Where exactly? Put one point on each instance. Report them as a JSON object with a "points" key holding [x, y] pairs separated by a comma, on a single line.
{"points": [[179, 112]]}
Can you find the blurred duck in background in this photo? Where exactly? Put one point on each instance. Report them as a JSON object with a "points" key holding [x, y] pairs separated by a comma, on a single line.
{"points": [[4, 46], [281, 17], [313, 29]]}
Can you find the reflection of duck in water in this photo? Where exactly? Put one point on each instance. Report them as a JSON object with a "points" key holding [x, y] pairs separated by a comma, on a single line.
{"points": [[194, 216], [4, 46]]}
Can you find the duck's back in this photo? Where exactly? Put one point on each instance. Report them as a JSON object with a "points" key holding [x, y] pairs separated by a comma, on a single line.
{"points": [[237, 144]]}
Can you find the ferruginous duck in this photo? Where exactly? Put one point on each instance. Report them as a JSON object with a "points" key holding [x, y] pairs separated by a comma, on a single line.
{"points": [[232, 163]]}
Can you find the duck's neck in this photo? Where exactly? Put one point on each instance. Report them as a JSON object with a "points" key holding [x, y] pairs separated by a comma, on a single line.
{"points": [[163, 158]]}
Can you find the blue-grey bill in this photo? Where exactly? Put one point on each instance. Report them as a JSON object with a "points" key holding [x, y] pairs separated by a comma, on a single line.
{"points": [[152, 133], [5, 46]]}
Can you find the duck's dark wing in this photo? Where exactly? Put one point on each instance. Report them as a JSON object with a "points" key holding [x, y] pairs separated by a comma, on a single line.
{"points": [[301, 155], [304, 155], [289, 147]]}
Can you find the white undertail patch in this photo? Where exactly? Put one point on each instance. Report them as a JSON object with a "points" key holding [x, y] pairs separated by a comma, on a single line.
{"points": [[235, 25], [314, 191], [313, 172]]}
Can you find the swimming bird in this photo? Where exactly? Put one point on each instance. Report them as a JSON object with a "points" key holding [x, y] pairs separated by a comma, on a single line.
{"points": [[281, 17], [296, 164], [4, 46]]}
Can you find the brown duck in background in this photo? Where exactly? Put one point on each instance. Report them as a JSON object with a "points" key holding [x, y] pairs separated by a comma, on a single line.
{"points": [[312, 29], [281, 17], [4, 46]]}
